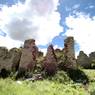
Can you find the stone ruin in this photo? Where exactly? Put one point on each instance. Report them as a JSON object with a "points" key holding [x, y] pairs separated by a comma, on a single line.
{"points": [[24, 60], [69, 53]]}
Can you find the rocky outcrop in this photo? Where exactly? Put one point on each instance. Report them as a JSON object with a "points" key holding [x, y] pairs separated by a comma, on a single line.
{"points": [[92, 56], [24, 59], [9, 60], [50, 61], [92, 59], [83, 60], [15, 55], [28, 57], [69, 53], [5, 63]]}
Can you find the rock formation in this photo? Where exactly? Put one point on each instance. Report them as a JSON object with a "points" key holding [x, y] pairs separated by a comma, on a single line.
{"points": [[83, 60], [69, 53], [15, 58], [9, 60], [23, 60], [50, 61], [3, 56], [92, 59], [92, 56], [28, 57]]}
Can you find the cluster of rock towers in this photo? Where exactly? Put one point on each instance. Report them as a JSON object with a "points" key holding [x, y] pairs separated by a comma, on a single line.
{"points": [[25, 59]]}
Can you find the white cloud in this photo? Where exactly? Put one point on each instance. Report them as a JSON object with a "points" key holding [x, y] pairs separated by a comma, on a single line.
{"points": [[44, 50], [83, 29], [9, 43], [91, 6], [57, 47], [34, 19], [76, 6]]}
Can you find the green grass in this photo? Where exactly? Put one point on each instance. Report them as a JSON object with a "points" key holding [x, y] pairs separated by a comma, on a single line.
{"points": [[90, 73], [47, 87]]}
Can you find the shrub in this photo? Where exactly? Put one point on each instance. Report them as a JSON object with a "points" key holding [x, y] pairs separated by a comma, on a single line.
{"points": [[61, 77]]}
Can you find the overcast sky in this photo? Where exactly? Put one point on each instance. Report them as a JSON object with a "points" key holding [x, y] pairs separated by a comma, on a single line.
{"points": [[48, 21]]}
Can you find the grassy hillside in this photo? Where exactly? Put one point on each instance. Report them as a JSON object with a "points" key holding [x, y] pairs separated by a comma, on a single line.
{"points": [[48, 87]]}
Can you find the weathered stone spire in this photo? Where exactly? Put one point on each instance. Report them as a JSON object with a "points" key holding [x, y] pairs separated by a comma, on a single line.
{"points": [[50, 61], [28, 57], [69, 53]]}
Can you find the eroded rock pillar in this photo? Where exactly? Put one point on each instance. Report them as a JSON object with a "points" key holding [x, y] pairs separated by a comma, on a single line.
{"points": [[69, 53]]}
